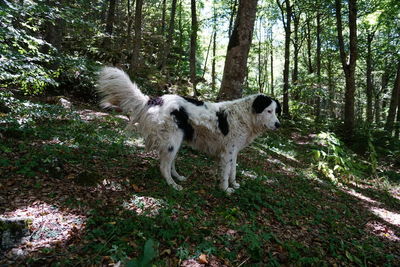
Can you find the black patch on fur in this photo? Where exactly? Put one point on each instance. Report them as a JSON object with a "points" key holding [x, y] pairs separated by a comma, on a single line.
{"points": [[278, 107], [170, 148], [223, 122], [193, 101], [260, 103], [158, 101], [182, 120]]}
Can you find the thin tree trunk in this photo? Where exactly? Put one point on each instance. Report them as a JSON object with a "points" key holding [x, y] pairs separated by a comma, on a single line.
{"points": [[135, 60], [235, 69], [378, 98], [233, 13], [393, 102], [309, 55], [164, 7], [287, 26], [349, 65], [208, 53], [260, 68], [397, 132], [213, 71], [272, 64], [369, 89], [111, 17], [130, 6], [318, 66], [193, 45], [168, 45]]}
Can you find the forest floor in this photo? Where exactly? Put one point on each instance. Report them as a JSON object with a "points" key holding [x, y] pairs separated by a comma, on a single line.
{"points": [[90, 195]]}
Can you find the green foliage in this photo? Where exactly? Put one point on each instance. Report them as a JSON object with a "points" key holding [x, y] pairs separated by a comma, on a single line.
{"points": [[332, 158], [149, 253]]}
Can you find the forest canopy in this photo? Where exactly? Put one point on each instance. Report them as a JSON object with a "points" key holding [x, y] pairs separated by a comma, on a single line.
{"points": [[329, 59]]}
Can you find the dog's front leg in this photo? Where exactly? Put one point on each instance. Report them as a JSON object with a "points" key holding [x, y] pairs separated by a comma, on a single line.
{"points": [[232, 175], [225, 166]]}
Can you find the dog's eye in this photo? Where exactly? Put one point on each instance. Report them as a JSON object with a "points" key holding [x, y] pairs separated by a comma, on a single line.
{"points": [[269, 111]]}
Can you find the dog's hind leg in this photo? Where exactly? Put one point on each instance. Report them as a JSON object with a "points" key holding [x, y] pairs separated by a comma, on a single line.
{"points": [[167, 157], [232, 174], [176, 174], [226, 166]]}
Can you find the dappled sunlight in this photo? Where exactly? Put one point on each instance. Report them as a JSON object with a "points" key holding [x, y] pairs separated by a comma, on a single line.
{"points": [[135, 142], [144, 205], [48, 226], [89, 115], [249, 174], [361, 196], [387, 216], [376, 208], [382, 230]]}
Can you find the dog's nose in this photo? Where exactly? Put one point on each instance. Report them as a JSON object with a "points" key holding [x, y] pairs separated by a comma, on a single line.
{"points": [[277, 125]]}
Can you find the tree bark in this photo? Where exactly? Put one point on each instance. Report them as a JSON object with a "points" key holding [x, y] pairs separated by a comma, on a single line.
{"points": [[349, 65], [318, 66], [233, 13], [168, 45], [369, 89], [238, 51], [272, 63], [214, 50], [287, 26], [164, 7], [193, 45], [135, 60], [394, 102], [111, 17]]}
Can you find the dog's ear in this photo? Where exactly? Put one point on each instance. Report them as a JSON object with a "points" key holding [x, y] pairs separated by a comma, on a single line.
{"points": [[260, 103], [278, 108]]}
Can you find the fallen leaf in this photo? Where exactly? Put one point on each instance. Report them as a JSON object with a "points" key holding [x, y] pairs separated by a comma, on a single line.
{"points": [[203, 259]]}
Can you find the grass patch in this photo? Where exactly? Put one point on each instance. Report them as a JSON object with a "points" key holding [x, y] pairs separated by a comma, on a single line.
{"points": [[285, 213]]}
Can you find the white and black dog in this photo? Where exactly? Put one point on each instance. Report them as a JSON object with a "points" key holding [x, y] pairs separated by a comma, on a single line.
{"points": [[218, 129]]}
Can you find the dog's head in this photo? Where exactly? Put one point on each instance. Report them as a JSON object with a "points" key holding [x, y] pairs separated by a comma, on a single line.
{"points": [[266, 110]]}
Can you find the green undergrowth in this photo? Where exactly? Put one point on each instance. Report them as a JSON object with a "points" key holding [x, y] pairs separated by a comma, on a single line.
{"points": [[290, 209]]}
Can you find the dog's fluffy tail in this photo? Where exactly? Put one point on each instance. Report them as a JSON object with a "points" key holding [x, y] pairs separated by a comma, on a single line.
{"points": [[118, 90]]}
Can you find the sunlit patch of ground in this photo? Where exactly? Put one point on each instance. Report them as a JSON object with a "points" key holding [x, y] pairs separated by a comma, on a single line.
{"points": [[144, 205], [49, 226], [377, 208], [382, 230]]}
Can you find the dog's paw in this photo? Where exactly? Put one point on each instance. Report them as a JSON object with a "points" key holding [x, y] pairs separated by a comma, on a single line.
{"points": [[177, 187], [181, 178], [235, 185], [229, 190]]}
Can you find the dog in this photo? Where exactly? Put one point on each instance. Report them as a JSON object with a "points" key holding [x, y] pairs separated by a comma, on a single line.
{"points": [[217, 129]]}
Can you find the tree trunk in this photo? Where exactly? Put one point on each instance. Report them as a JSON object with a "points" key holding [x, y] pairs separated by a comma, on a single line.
{"points": [[214, 51], [349, 65], [331, 89], [318, 66], [238, 51], [272, 64], [369, 89], [296, 48], [135, 60], [233, 13], [397, 132], [193, 45], [130, 6], [164, 7], [287, 26], [309, 55], [393, 102], [167, 48], [111, 17], [378, 96]]}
